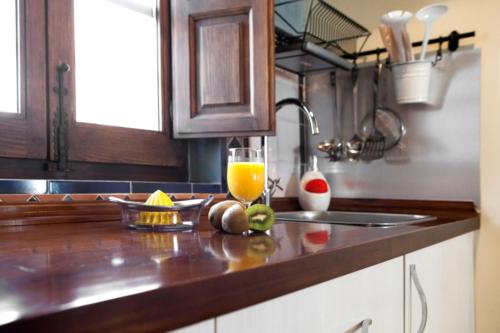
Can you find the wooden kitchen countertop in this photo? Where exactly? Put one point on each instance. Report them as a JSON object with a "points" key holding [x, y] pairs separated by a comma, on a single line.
{"points": [[100, 277]]}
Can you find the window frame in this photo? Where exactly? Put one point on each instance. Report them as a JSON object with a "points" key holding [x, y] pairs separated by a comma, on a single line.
{"points": [[27, 139], [101, 143], [23, 134]]}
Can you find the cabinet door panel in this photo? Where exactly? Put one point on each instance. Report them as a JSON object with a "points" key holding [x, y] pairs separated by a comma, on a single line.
{"points": [[223, 67], [219, 74], [445, 272], [335, 306]]}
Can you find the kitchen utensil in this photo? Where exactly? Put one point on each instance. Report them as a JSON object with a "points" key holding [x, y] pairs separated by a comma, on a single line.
{"points": [[339, 152], [407, 44], [397, 20], [355, 145], [389, 123], [374, 146], [428, 15], [333, 148], [326, 146], [387, 36], [183, 215]]}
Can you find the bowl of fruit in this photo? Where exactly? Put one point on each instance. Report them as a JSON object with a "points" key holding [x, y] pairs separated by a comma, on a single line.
{"points": [[160, 213]]}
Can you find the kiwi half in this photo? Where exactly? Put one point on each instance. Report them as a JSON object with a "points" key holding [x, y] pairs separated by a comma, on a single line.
{"points": [[261, 245], [260, 217]]}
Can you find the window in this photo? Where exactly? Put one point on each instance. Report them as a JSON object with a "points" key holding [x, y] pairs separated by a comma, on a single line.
{"points": [[9, 89], [126, 34], [23, 113], [117, 90]]}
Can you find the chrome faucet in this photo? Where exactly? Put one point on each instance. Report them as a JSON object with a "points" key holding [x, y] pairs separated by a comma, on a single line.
{"points": [[313, 124], [311, 118]]}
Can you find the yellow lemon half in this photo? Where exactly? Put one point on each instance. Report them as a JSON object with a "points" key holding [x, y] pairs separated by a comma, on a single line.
{"points": [[159, 198]]}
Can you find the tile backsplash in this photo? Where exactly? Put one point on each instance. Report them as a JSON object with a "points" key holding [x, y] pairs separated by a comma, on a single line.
{"points": [[37, 186], [22, 186]]}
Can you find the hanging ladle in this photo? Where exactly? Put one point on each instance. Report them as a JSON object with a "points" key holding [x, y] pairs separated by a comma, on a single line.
{"points": [[339, 151], [428, 15], [355, 145]]}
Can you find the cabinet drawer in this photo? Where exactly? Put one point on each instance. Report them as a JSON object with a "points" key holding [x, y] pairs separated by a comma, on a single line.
{"points": [[336, 306]]}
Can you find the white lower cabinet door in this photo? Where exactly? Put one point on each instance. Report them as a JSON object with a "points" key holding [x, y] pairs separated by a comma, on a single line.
{"points": [[207, 326], [439, 287], [372, 297]]}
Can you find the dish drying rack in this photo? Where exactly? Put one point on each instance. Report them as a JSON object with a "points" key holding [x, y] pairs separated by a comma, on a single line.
{"points": [[312, 35]]}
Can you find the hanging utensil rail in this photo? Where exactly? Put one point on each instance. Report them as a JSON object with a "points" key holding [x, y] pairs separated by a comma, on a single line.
{"points": [[453, 40]]}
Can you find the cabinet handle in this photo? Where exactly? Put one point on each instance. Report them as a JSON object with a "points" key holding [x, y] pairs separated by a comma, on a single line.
{"points": [[365, 324], [421, 294]]}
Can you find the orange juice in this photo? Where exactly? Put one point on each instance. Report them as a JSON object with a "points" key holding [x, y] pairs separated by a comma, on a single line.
{"points": [[245, 180]]}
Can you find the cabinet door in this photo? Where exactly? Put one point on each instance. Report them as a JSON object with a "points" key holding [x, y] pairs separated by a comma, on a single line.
{"points": [[445, 272], [337, 306], [223, 67], [207, 326]]}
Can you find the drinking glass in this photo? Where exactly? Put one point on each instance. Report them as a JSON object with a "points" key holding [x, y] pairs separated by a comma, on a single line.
{"points": [[245, 174]]}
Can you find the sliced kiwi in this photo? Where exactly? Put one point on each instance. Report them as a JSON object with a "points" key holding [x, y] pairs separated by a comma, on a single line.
{"points": [[260, 217], [261, 245]]}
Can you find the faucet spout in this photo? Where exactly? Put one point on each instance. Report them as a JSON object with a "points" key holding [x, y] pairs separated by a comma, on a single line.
{"points": [[313, 124], [311, 118]]}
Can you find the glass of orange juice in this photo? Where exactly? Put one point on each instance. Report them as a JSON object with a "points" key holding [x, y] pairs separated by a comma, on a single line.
{"points": [[245, 174]]}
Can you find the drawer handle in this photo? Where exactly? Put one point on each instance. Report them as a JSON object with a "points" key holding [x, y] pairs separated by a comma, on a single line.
{"points": [[365, 324], [421, 294]]}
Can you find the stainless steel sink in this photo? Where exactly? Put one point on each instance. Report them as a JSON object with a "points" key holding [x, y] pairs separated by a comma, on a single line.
{"points": [[354, 218]]}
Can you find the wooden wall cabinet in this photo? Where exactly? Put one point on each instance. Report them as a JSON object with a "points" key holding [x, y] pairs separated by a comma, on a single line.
{"points": [[222, 68]]}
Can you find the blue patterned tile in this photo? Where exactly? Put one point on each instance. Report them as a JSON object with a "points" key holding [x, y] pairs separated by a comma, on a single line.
{"points": [[205, 160], [150, 187], [67, 186], [23, 186], [206, 188]]}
